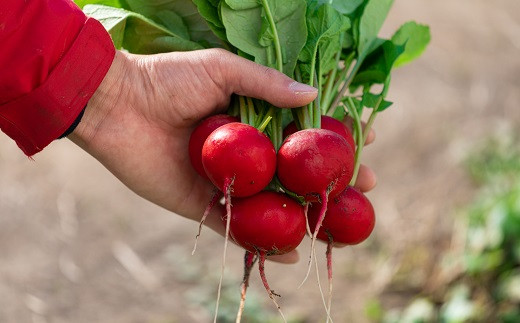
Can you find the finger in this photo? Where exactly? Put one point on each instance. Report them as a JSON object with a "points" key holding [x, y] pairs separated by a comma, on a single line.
{"points": [[366, 179], [214, 221], [288, 258], [371, 135], [243, 77]]}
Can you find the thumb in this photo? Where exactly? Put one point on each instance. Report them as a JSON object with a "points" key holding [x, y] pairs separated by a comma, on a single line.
{"points": [[244, 77]]}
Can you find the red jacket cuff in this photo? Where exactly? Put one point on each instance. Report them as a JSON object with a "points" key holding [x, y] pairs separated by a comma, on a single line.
{"points": [[37, 118]]}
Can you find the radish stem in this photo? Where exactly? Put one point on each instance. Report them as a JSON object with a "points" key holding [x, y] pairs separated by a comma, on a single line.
{"points": [[316, 111], [251, 111], [330, 79], [276, 39], [244, 115], [345, 86], [358, 134]]}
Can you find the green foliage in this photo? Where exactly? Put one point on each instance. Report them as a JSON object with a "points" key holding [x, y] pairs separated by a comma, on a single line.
{"points": [[248, 28], [344, 7], [153, 26], [197, 27], [330, 44], [129, 28], [377, 66], [414, 37], [374, 15], [374, 310], [110, 3], [325, 26], [210, 11]]}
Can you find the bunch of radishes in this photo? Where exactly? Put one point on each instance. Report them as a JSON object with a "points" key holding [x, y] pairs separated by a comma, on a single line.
{"points": [[282, 172], [273, 197]]}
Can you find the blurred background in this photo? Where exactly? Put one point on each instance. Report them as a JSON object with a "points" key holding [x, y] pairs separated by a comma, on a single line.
{"points": [[78, 246]]}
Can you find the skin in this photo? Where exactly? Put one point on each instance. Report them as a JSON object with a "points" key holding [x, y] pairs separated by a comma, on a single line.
{"points": [[138, 122]]}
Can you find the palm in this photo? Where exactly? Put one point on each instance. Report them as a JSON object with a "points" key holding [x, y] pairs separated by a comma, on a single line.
{"points": [[143, 139]]}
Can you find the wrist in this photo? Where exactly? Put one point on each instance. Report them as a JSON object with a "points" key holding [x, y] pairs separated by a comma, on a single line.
{"points": [[107, 96]]}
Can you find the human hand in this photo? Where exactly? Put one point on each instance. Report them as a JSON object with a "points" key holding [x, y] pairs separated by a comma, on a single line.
{"points": [[139, 121]]}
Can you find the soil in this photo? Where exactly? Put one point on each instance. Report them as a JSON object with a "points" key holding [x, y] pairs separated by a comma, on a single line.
{"points": [[78, 246]]}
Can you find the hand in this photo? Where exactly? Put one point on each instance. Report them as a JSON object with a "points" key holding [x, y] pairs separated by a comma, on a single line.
{"points": [[139, 121]]}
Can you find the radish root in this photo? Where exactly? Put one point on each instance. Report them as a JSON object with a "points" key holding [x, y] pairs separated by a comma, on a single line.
{"points": [[329, 274], [324, 196], [329, 319], [249, 260], [227, 189], [328, 254], [214, 199], [270, 292]]}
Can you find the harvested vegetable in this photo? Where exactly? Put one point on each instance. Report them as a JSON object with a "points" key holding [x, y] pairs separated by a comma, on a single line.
{"points": [[332, 45]]}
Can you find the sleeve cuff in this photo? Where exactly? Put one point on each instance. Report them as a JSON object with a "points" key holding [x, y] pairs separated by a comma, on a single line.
{"points": [[41, 116]]}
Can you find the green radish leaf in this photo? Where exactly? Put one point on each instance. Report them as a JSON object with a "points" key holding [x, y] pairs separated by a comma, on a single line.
{"points": [[198, 29], [245, 55], [110, 3], [348, 41], [136, 33], [415, 38], [173, 22], [372, 19], [209, 10], [377, 66], [370, 100], [339, 113], [247, 29], [325, 26], [323, 23], [345, 7], [218, 31]]}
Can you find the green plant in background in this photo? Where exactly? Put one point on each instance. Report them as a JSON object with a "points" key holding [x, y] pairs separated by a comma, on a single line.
{"points": [[486, 287]]}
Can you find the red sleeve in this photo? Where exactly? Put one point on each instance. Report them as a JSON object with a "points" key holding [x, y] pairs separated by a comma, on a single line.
{"points": [[52, 59]]}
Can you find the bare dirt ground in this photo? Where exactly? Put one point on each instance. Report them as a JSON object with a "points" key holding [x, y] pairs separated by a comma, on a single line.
{"points": [[78, 246]]}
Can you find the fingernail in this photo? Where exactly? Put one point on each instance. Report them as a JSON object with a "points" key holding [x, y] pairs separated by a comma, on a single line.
{"points": [[300, 88]]}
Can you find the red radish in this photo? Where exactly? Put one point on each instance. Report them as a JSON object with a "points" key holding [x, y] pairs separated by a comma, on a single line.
{"points": [[197, 139], [267, 223], [349, 220], [328, 123], [316, 164], [199, 135], [240, 152]]}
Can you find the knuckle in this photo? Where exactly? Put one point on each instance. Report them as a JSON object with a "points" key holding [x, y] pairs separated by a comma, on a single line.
{"points": [[216, 56], [270, 73]]}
